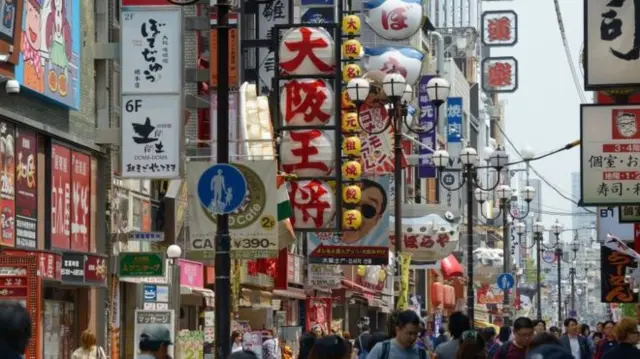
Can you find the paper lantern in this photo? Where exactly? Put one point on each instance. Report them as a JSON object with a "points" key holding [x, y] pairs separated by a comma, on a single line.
{"points": [[351, 25], [351, 219], [394, 19], [347, 104], [437, 294], [307, 51], [307, 153], [351, 146], [350, 71], [312, 202], [449, 300], [351, 194], [361, 270], [351, 49], [351, 170], [450, 267], [350, 122], [306, 103]]}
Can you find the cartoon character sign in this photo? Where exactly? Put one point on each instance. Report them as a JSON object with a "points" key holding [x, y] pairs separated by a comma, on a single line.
{"points": [[50, 51]]}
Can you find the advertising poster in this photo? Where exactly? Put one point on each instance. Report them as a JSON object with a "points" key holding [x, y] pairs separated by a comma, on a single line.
{"points": [[80, 201], [160, 322], [428, 119], [190, 344], [26, 189], [614, 266], [318, 314], [369, 244], [7, 184], [253, 342], [146, 217], [60, 196]]}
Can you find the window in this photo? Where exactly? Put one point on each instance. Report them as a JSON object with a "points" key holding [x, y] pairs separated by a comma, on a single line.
{"points": [[136, 220]]}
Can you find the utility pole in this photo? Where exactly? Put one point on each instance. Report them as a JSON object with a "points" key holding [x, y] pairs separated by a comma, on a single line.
{"points": [[506, 265]]}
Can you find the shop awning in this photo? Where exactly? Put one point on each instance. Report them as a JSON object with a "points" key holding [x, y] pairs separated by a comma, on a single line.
{"points": [[293, 293], [351, 285], [187, 290]]}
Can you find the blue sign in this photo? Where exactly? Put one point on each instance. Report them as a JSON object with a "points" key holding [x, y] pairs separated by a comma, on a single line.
{"points": [[318, 15], [222, 189], [150, 293], [506, 281], [454, 120], [427, 119], [573, 314], [316, 2]]}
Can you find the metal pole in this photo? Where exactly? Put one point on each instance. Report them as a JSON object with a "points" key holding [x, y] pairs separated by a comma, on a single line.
{"points": [[559, 259], [471, 300], [506, 265], [538, 274], [223, 240], [397, 178], [572, 273], [175, 290]]}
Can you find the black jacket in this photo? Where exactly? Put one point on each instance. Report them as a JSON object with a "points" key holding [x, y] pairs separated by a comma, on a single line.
{"points": [[622, 350], [585, 350]]}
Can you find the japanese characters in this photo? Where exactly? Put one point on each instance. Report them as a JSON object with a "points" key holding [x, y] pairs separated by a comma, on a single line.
{"points": [[614, 287], [394, 19], [500, 74], [499, 28]]}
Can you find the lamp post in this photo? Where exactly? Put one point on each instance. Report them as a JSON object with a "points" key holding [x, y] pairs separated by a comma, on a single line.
{"points": [[399, 95], [538, 230], [468, 158], [173, 253], [573, 273]]}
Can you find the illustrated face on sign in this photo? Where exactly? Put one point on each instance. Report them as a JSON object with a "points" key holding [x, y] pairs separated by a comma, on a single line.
{"points": [[32, 24], [372, 205], [626, 124]]}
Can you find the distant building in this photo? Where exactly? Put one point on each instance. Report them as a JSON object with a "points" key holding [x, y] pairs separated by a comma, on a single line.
{"points": [[582, 220]]}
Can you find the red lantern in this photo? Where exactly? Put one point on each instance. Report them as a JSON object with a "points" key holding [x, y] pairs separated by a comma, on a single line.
{"points": [[451, 267], [437, 294], [449, 297]]}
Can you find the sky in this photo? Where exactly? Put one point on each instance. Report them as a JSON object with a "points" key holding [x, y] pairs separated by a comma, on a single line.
{"points": [[544, 112]]}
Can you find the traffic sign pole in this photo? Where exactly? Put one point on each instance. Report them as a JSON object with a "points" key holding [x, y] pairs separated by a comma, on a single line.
{"points": [[506, 249]]}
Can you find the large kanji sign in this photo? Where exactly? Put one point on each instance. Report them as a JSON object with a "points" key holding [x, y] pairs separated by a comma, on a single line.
{"points": [[500, 74], [499, 28]]}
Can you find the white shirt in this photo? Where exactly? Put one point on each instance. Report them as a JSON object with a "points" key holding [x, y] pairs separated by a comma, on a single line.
{"points": [[236, 347], [575, 347]]}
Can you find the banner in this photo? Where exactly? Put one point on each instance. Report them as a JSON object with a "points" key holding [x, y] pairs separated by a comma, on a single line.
{"points": [[403, 296], [7, 186], [26, 189], [318, 312], [60, 194], [427, 119], [454, 119], [613, 265], [324, 276], [253, 223], [80, 201], [190, 344], [369, 244]]}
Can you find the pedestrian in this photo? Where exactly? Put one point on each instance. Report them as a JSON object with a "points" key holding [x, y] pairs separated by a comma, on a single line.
{"points": [[307, 340], [271, 346], [472, 346], [155, 340], [88, 349], [573, 342], [596, 337], [458, 324], [236, 341], [539, 326], [403, 345], [331, 347], [549, 351], [608, 340], [599, 327], [243, 354], [362, 341], [15, 330], [543, 338], [441, 338], [555, 331], [376, 338], [627, 335], [504, 336], [585, 331], [517, 348]]}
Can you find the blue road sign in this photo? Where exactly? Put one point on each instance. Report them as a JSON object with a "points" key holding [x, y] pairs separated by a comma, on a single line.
{"points": [[506, 281], [222, 189], [573, 314], [150, 293]]}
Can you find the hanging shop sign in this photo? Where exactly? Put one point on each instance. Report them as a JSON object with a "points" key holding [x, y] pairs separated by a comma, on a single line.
{"points": [[244, 190], [307, 50], [318, 313], [7, 190], [427, 238], [151, 100], [80, 201], [499, 28], [406, 61], [26, 189], [232, 56], [95, 270], [307, 103], [191, 273], [615, 289], [158, 322], [629, 214], [49, 264], [269, 15], [369, 244], [376, 154], [394, 19], [454, 119], [141, 265], [73, 268], [427, 120], [609, 165], [324, 276], [500, 74], [610, 29], [318, 15], [609, 222]]}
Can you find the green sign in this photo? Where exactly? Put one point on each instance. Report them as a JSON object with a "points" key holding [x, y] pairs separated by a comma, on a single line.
{"points": [[141, 265]]}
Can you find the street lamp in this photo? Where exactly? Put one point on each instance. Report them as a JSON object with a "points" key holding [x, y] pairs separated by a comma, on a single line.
{"points": [[538, 230], [468, 158], [399, 94], [173, 253]]}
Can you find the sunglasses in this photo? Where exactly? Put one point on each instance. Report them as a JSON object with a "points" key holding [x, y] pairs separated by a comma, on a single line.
{"points": [[368, 211]]}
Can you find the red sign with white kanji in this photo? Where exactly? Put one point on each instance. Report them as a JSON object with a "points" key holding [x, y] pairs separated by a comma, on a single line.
{"points": [[306, 103], [500, 74], [377, 155], [499, 28]]}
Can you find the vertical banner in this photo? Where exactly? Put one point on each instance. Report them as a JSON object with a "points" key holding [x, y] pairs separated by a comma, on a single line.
{"points": [[26, 189], [146, 217], [427, 119], [232, 57], [269, 15], [614, 266], [60, 196], [7, 184], [80, 201], [318, 313], [454, 120], [403, 297]]}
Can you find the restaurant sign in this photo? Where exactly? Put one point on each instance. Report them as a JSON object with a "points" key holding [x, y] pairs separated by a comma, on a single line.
{"points": [[141, 265]]}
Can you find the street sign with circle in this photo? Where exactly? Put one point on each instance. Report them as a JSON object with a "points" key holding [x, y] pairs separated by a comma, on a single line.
{"points": [[448, 179], [222, 189], [506, 281]]}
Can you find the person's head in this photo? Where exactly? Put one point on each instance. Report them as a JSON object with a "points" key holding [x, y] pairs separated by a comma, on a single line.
{"points": [[375, 338], [539, 326], [523, 331], [331, 347], [243, 354], [155, 339], [407, 328], [543, 338], [488, 334], [317, 330], [307, 340], [391, 324], [441, 331], [549, 351], [555, 331], [365, 328], [597, 336], [15, 326], [627, 331], [472, 346], [346, 335], [88, 339], [372, 206], [571, 326], [608, 329], [458, 324], [599, 327], [505, 334], [584, 329], [236, 337]]}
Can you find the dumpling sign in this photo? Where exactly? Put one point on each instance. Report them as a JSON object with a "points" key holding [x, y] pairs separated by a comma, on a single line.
{"points": [[395, 19]]}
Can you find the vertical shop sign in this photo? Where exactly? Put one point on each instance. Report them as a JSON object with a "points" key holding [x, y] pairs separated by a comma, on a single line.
{"points": [[318, 313], [60, 196], [80, 201], [428, 120], [269, 14], [146, 217], [7, 184], [26, 189], [73, 268], [614, 265]]}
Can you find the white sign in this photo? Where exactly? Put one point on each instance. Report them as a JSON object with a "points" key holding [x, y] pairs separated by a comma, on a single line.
{"points": [[155, 324], [151, 127], [611, 50], [269, 15], [395, 19], [608, 223], [324, 276], [405, 60], [253, 226], [610, 154], [151, 48]]}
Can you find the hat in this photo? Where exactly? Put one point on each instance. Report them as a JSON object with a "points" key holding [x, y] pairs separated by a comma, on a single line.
{"points": [[156, 333], [549, 351]]}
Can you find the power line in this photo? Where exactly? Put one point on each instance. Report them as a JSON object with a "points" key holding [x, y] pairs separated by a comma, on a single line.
{"points": [[567, 51]]}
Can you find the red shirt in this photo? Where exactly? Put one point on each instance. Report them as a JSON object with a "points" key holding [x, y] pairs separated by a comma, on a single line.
{"points": [[513, 352]]}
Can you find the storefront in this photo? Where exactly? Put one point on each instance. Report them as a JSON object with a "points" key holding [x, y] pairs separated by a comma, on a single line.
{"points": [[194, 298], [288, 289]]}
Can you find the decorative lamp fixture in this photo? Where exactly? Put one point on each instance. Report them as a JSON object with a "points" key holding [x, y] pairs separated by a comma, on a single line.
{"points": [[528, 192], [358, 90], [438, 90], [468, 156], [521, 228], [394, 86], [504, 192], [538, 227], [557, 228]]}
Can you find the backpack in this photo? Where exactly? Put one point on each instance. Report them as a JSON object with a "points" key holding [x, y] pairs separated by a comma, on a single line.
{"points": [[504, 349], [386, 350], [362, 354]]}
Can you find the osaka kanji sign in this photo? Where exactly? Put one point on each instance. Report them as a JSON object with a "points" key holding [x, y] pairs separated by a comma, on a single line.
{"points": [[499, 28], [500, 74]]}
